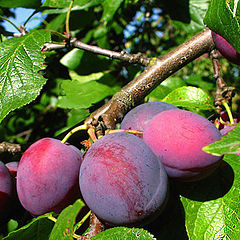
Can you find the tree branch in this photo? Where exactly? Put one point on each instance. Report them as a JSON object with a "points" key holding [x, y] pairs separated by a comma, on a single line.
{"points": [[123, 56], [163, 67], [10, 148]]}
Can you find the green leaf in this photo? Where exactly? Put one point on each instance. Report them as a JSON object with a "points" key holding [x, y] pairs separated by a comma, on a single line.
{"points": [[83, 95], [223, 17], [86, 78], [229, 144], [72, 59], [190, 98], [123, 233], [188, 14], [38, 229], [166, 87], [109, 9], [75, 116], [212, 205], [79, 4], [199, 81], [21, 59], [20, 3], [63, 228]]}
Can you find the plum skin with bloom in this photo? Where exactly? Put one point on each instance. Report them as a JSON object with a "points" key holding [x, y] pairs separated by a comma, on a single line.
{"points": [[47, 176], [122, 181], [138, 117], [177, 138]]}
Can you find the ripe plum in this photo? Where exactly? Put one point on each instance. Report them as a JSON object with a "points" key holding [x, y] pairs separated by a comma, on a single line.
{"points": [[122, 181], [226, 49], [6, 189], [177, 138], [47, 176], [139, 116]]}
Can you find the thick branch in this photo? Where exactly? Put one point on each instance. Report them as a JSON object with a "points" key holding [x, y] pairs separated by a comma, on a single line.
{"points": [[123, 56], [163, 67]]}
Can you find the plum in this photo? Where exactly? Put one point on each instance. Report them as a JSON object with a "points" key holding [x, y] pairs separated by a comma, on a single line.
{"points": [[139, 116], [47, 176], [122, 181], [226, 49], [177, 137], [6, 189], [12, 167]]}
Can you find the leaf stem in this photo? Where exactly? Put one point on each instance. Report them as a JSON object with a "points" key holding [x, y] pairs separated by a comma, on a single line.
{"points": [[76, 129], [68, 17], [228, 112], [6, 19]]}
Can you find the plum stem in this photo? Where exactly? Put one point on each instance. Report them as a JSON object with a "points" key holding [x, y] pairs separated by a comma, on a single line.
{"points": [[91, 133], [228, 112], [79, 224], [124, 130], [76, 129], [52, 218]]}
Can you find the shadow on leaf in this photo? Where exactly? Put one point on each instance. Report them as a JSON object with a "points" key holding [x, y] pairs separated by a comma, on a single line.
{"points": [[213, 187]]}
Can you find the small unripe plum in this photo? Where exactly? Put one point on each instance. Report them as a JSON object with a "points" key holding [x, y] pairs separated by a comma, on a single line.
{"points": [[6, 189], [177, 138], [139, 116], [122, 181], [12, 167], [47, 176], [226, 49]]}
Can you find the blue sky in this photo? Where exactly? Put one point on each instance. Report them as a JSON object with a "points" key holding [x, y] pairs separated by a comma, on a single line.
{"points": [[21, 16]]}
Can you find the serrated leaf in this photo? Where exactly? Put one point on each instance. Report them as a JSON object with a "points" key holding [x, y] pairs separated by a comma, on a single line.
{"points": [[20, 60], [223, 17], [63, 228], [123, 233], [212, 205], [83, 95], [20, 3], [109, 9], [190, 98], [229, 144], [38, 229]]}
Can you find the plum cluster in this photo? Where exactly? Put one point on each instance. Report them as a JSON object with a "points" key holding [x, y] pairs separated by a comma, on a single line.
{"points": [[123, 178]]}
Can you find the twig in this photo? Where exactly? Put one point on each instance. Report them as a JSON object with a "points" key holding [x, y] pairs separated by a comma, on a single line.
{"points": [[223, 92], [123, 56]]}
